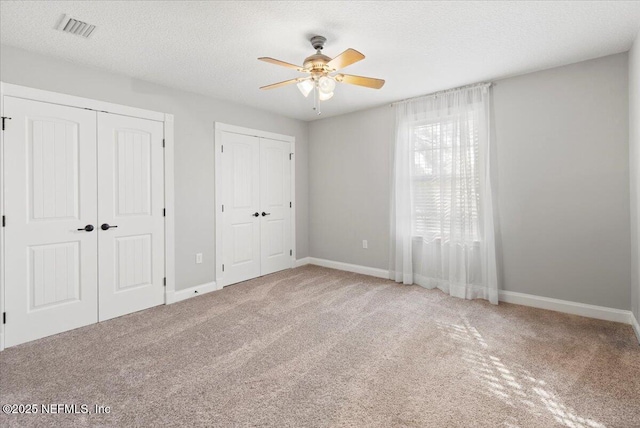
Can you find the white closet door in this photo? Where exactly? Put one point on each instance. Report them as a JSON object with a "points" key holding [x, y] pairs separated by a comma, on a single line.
{"points": [[275, 200], [240, 189], [50, 196], [130, 214]]}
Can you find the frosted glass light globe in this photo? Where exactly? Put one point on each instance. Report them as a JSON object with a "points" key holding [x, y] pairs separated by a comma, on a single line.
{"points": [[324, 96], [306, 86], [326, 85]]}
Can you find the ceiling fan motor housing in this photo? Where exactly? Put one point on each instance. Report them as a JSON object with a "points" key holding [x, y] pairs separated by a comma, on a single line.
{"points": [[316, 63]]}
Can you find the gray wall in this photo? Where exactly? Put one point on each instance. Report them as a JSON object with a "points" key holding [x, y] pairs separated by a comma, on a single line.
{"points": [[634, 167], [561, 137], [349, 187], [194, 149], [562, 143]]}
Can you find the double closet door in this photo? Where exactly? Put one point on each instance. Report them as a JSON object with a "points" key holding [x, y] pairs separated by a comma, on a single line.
{"points": [[254, 220], [84, 235]]}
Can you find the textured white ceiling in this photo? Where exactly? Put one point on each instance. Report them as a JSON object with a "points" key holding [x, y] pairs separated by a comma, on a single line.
{"points": [[418, 47]]}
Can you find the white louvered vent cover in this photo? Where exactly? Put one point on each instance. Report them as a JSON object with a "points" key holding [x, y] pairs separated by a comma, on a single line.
{"points": [[73, 26]]}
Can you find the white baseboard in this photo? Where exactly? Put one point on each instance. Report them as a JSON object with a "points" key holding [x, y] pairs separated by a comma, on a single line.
{"points": [[583, 309], [636, 325], [303, 262], [365, 270], [187, 293]]}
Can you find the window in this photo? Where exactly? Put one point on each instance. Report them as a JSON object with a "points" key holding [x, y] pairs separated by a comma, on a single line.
{"points": [[445, 180], [442, 207]]}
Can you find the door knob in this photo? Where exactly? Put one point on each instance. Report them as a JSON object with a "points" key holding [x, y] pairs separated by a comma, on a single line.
{"points": [[106, 226], [255, 215], [87, 228], [264, 213]]}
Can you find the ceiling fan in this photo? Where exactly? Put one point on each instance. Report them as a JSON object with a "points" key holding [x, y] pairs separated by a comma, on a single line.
{"points": [[319, 67]]}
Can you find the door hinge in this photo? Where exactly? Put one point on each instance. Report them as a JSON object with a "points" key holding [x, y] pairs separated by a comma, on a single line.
{"points": [[4, 318], [4, 221], [222, 149], [164, 212], [4, 118], [289, 204], [222, 268], [163, 142], [290, 156], [222, 207], [291, 252], [164, 282]]}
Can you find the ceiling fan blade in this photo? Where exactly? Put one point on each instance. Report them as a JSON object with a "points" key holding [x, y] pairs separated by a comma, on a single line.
{"points": [[345, 59], [279, 84], [369, 82], [281, 63]]}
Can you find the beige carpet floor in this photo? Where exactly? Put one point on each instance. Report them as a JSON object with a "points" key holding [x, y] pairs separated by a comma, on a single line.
{"points": [[315, 347]]}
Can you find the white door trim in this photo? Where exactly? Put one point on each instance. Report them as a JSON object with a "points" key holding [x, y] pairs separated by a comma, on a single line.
{"points": [[2, 250], [223, 127], [170, 215], [73, 101], [8, 89]]}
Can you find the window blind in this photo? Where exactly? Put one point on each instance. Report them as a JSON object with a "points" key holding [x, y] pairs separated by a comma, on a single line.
{"points": [[445, 182]]}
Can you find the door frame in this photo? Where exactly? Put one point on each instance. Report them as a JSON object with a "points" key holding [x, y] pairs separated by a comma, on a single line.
{"points": [[17, 91], [223, 127]]}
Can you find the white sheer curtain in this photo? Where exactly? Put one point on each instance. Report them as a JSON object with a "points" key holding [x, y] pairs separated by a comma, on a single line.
{"points": [[442, 231]]}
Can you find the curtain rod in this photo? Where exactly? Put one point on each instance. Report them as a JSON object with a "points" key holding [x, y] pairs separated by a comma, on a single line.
{"points": [[435, 94]]}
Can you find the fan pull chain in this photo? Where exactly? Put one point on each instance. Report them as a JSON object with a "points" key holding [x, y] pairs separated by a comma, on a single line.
{"points": [[315, 98], [316, 101]]}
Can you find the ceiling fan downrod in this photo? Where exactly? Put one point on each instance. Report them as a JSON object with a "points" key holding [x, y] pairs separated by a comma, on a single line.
{"points": [[318, 42]]}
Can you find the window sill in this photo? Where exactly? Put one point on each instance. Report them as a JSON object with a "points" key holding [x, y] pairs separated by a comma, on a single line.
{"points": [[440, 241]]}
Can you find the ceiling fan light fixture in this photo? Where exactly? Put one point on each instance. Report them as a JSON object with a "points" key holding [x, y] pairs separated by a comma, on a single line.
{"points": [[318, 68], [306, 86]]}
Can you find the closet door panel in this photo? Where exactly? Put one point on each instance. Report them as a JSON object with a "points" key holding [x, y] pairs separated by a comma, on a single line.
{"points": [[130, 214], [275, 198], [240, 189], [50, 197]]}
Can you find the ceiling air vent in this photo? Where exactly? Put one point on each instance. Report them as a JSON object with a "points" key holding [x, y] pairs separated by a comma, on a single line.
{"points": [[73, 26]]}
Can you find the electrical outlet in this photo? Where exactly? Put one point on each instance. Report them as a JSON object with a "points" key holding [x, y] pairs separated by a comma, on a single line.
{"points": [[365, 244], [198, 258]]}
